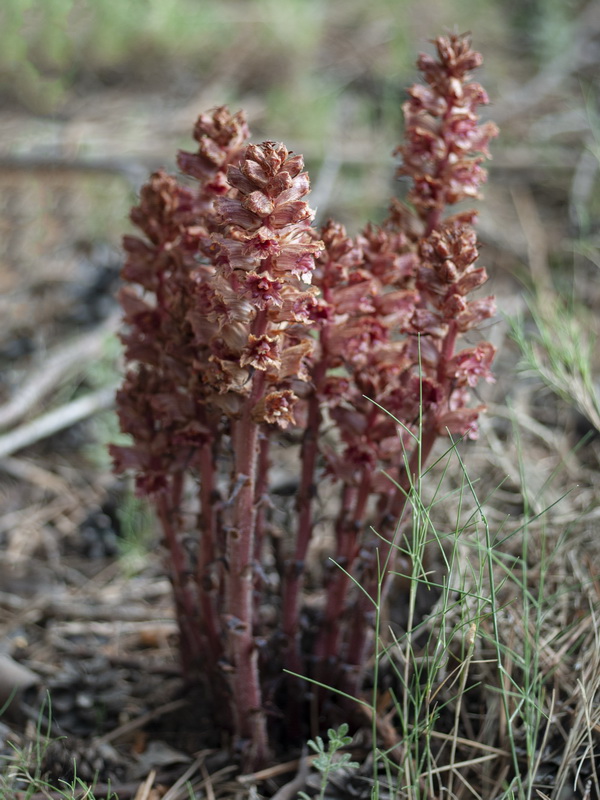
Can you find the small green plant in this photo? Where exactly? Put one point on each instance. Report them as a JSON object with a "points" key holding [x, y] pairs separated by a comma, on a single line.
{"points": [[327, 760]]}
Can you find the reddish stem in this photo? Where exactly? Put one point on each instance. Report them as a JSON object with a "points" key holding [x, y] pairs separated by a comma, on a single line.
{"points": [[206, 556], [348, 528], [262, 491], [407, 480], [184, 600], [434, 217], [306, 492], [249, 719]]}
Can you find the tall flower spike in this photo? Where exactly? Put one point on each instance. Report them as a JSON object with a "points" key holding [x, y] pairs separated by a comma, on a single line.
{"points": [[443, 154], [442, 130], [264, 260]]}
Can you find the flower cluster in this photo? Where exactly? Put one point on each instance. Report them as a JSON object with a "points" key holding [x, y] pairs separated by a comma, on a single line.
{"points": [[442, 130], [397, 301], [151, 406], [246, 322], [159, 403], [204, 324], [445, 146], [369, 288], [259, 299], [446, 276]]}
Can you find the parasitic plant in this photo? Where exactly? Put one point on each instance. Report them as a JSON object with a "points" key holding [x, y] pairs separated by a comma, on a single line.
{"points": [[249, 327]]}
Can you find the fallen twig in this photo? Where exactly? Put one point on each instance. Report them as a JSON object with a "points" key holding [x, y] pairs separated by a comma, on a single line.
{"points": [[290, 790], [143, 793], [57, 420], [26, 470], [139, 722], [66, 360]]}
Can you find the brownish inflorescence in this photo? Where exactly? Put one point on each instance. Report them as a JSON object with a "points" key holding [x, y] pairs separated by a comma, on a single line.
{"points": [[247, 324]]}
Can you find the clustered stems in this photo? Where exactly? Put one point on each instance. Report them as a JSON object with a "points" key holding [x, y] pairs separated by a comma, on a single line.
{"points": [[247, 322]]}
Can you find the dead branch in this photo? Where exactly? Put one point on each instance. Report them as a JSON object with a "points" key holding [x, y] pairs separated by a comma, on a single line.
{"points": [[57, 420], [66, 361]]}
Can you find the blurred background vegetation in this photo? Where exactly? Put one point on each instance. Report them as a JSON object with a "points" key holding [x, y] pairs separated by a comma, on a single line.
{"points": [[129, 78], [94, 94]]}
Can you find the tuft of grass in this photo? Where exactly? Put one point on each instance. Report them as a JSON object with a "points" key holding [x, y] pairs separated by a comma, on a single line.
{"points": [[21, 772], [476, 685], [559, 350], [138, 532]]}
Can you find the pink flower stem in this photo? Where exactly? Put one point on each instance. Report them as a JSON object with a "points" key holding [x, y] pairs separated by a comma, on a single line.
{"points": [[446, 354], [408, 479], [261, 500], [392, 511], [429, 428], [249, 719], [375, 580], [304, 500], [361, 627], [347, 531], [262, 487], [184, 601], [434, 217], [206, 557]]}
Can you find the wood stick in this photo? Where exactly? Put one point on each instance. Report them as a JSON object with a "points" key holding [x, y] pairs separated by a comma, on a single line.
{"points": [[57, 420], [65, 360]]}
